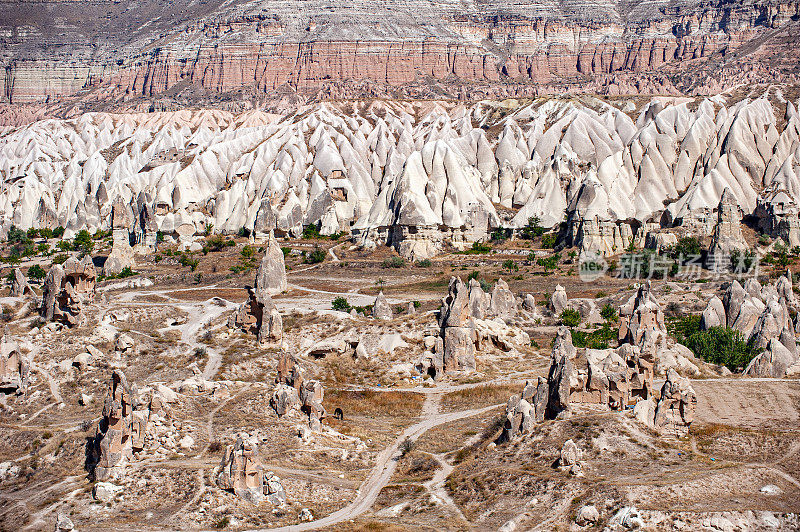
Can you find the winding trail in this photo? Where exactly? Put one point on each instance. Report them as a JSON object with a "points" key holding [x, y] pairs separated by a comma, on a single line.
{"points": [[384, 468]]}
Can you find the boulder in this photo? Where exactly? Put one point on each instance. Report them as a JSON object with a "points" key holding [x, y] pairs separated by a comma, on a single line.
{"points": [[105, 492]]}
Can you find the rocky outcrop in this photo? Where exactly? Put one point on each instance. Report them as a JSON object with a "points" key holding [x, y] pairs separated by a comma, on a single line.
{"points": [[242, 471], [14, 366], [67, 290], [763, 316], [558, 301], [292, 392], [120, 433], [727, 235], [456, 342], [674, 412], [354, 51], [271, 274], [259, 314], [381, 309], [122, 225], [642, 321], [20, 286]]}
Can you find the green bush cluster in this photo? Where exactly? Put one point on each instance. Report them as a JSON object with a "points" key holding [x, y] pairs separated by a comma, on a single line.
{"points": [[314, 257], [717, 345], [394, 262]]}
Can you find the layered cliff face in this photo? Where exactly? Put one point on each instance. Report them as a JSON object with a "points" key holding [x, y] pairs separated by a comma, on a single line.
{"points": [[116, 52], [387, 169]]}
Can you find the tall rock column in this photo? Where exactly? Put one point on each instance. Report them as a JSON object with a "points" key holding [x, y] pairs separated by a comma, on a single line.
{"points": [[121, 255], [457, 336], [271, 276]]}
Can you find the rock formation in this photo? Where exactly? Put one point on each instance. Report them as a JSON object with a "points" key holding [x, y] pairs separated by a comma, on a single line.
{"points": [[67, 289], [271, 275], [352, 51], [523, 411], [674, 411], [609, 378], [642, 322], [20, 286], [121, 431], [763, 316], [259, 314], [381, 309], [14, 366], [558, 301], [571, 458], [242, 471], [293, 392], [503, 303], [727, 235], [121, 256], [420, 179], [456, 342]]}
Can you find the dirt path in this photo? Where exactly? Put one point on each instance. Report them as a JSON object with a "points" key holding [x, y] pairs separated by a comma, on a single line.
{"points": [[383, 470]]}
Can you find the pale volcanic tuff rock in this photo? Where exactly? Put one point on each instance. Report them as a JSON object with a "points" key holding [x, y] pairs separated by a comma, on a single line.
{"points": [[416, 176], [763, 316]]}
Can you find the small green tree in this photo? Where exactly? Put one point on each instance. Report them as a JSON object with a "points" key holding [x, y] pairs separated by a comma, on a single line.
{"points": [[36, 273], [510, 266], [83, 242], [549, 263], [549, 240]]}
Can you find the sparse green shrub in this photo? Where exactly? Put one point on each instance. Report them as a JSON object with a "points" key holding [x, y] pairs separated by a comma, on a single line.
{"points": [[533, 229], [286, 251], [17, 236], [424, 263], [218, 243], [311, 231], [570, 317], [609, 313], [316, 256], [600, 338], [407, 446], [479, 248], [500, 235], [61, 258], [190, 261], [340, 303], [394, 262], [721, 345], [83, 242], [549, 263], [247, 252]]}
